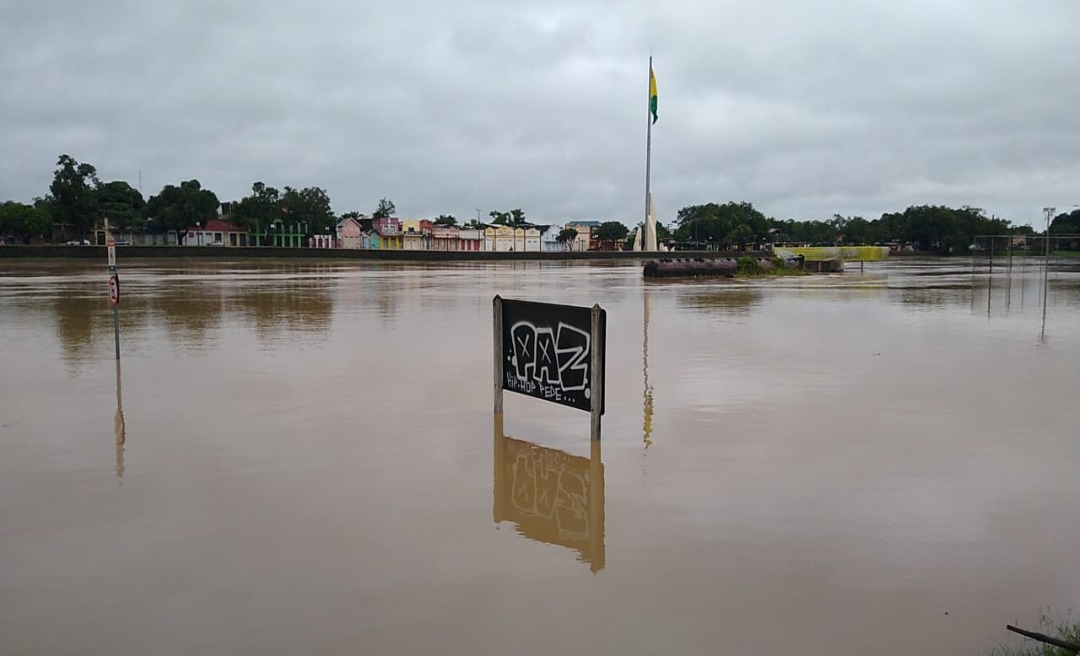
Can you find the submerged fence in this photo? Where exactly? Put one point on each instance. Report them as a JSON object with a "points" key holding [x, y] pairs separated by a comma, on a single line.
{"points": [[1019, 271], [999, 247]]}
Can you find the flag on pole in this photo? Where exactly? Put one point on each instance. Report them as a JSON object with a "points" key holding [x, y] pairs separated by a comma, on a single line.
{"points": [[652, 94]]}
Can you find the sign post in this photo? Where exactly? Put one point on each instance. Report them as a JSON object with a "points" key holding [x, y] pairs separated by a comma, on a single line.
{"points": [[551, 352], [114, 287]]}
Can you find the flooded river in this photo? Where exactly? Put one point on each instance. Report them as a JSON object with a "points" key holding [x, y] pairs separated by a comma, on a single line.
{"points": [[302, 458]]}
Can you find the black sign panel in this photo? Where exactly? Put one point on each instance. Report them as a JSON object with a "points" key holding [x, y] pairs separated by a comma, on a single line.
{"points": [[547, 352]]}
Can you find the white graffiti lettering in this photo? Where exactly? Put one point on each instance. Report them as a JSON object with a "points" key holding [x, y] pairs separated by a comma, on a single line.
{"points": [[551, 361]]}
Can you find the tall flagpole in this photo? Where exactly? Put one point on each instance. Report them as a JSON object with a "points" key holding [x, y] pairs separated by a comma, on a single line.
{"points": [[648, 154]]}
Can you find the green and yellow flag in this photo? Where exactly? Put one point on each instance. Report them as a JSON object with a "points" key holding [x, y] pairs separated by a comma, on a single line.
{"points": [[652, 94]]}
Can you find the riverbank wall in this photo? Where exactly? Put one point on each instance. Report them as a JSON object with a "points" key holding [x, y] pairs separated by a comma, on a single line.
{"points": [[344, 255]]}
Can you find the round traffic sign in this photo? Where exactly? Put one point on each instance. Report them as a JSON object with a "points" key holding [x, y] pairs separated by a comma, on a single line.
{"points": [[114, 290]]}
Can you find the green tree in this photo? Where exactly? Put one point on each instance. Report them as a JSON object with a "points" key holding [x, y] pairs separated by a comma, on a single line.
{"points": [[121, 203], [310, 205], [723, 225], [611, 231], [445, 220], [73, 191], [566, 236], [514, 218], [180, 208], [261, 208], [385, 209], [24, 221], [857, 230], [1066, 224]]}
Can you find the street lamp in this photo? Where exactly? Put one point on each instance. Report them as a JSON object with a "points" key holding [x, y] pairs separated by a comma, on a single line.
{"points": [[198, 233]]}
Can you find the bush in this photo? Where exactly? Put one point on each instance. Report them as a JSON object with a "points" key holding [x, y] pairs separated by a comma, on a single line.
{"points": [[748, 266]]}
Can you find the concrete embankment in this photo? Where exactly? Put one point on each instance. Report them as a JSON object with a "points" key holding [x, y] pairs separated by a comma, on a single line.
{"points": [[339, 254]]}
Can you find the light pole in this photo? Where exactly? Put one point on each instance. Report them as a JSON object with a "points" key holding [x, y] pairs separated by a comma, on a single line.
{"points": [[198, 233]]}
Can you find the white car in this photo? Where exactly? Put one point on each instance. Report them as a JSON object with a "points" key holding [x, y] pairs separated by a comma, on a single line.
{"points": [[78, 242]]}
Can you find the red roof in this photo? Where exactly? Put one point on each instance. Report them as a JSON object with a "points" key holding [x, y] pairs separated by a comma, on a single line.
{"points": [[217, 225]]}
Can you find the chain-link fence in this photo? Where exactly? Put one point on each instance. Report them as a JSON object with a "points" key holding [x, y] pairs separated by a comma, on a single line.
{"points": [[994, 247]]}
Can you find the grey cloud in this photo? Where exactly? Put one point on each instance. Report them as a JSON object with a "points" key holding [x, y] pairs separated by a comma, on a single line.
{"points": [[804, 109]]}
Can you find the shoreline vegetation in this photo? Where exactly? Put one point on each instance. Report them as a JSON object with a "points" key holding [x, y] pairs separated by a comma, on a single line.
{"points": [[750, 267], [1054, 637], [61, 252], [77, 204]]}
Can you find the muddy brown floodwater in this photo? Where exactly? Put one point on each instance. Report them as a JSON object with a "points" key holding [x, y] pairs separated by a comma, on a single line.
{"points": [[302, 458]]}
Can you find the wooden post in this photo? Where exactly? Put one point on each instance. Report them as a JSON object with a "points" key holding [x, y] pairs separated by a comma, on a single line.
{"points": [[497, 326], [497, 510], [596, 371]]}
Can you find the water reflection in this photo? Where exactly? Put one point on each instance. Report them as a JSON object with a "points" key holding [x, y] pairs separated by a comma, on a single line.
{"points": [[732, 301], [1025, 289], [647, 412], [119, 428], [288, 306], [551, 496], [191, 314], [77, 322]]}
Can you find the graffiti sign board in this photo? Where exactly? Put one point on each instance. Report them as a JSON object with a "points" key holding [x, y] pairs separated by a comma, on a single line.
{"points": [[552, 352]]}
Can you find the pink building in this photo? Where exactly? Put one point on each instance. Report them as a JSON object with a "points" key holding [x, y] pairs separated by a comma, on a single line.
{"points": [[217, 232], [349, 233], [387, 233]]}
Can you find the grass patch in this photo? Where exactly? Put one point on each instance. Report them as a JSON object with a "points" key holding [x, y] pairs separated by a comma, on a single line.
{"points": [[749, 267], [1067, 629]]}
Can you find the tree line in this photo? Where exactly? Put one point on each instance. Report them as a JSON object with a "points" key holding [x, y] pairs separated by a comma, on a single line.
{"points": [[78, 199], [926, 227]]}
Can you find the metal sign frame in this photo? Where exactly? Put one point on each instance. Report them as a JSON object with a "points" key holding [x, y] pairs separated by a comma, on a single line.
{"points": [[547, 350]]}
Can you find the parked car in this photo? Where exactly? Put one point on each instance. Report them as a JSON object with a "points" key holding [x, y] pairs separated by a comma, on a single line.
{"points": [[78, 242], [123, 242]]}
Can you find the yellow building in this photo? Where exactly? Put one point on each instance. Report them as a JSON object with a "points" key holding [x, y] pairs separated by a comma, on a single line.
{"points": [[504, 239], [499, 239]]}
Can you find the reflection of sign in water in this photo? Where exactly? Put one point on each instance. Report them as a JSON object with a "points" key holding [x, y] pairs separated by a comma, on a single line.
{"points": [[119, 427], [551, 496], [547, 352]]}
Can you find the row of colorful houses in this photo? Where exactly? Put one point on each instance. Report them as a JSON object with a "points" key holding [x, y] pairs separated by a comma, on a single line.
{"points": [[365, 233], [391, 233]]}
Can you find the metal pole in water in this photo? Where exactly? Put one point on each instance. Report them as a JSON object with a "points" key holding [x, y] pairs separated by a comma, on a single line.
{"points": [[596, 372], [497, 338], [1008, 276], [1046, 269], [114, 286], [1023, 271]]}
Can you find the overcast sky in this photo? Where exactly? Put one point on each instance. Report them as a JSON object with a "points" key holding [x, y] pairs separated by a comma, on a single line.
{"points": [[803, 108]]}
